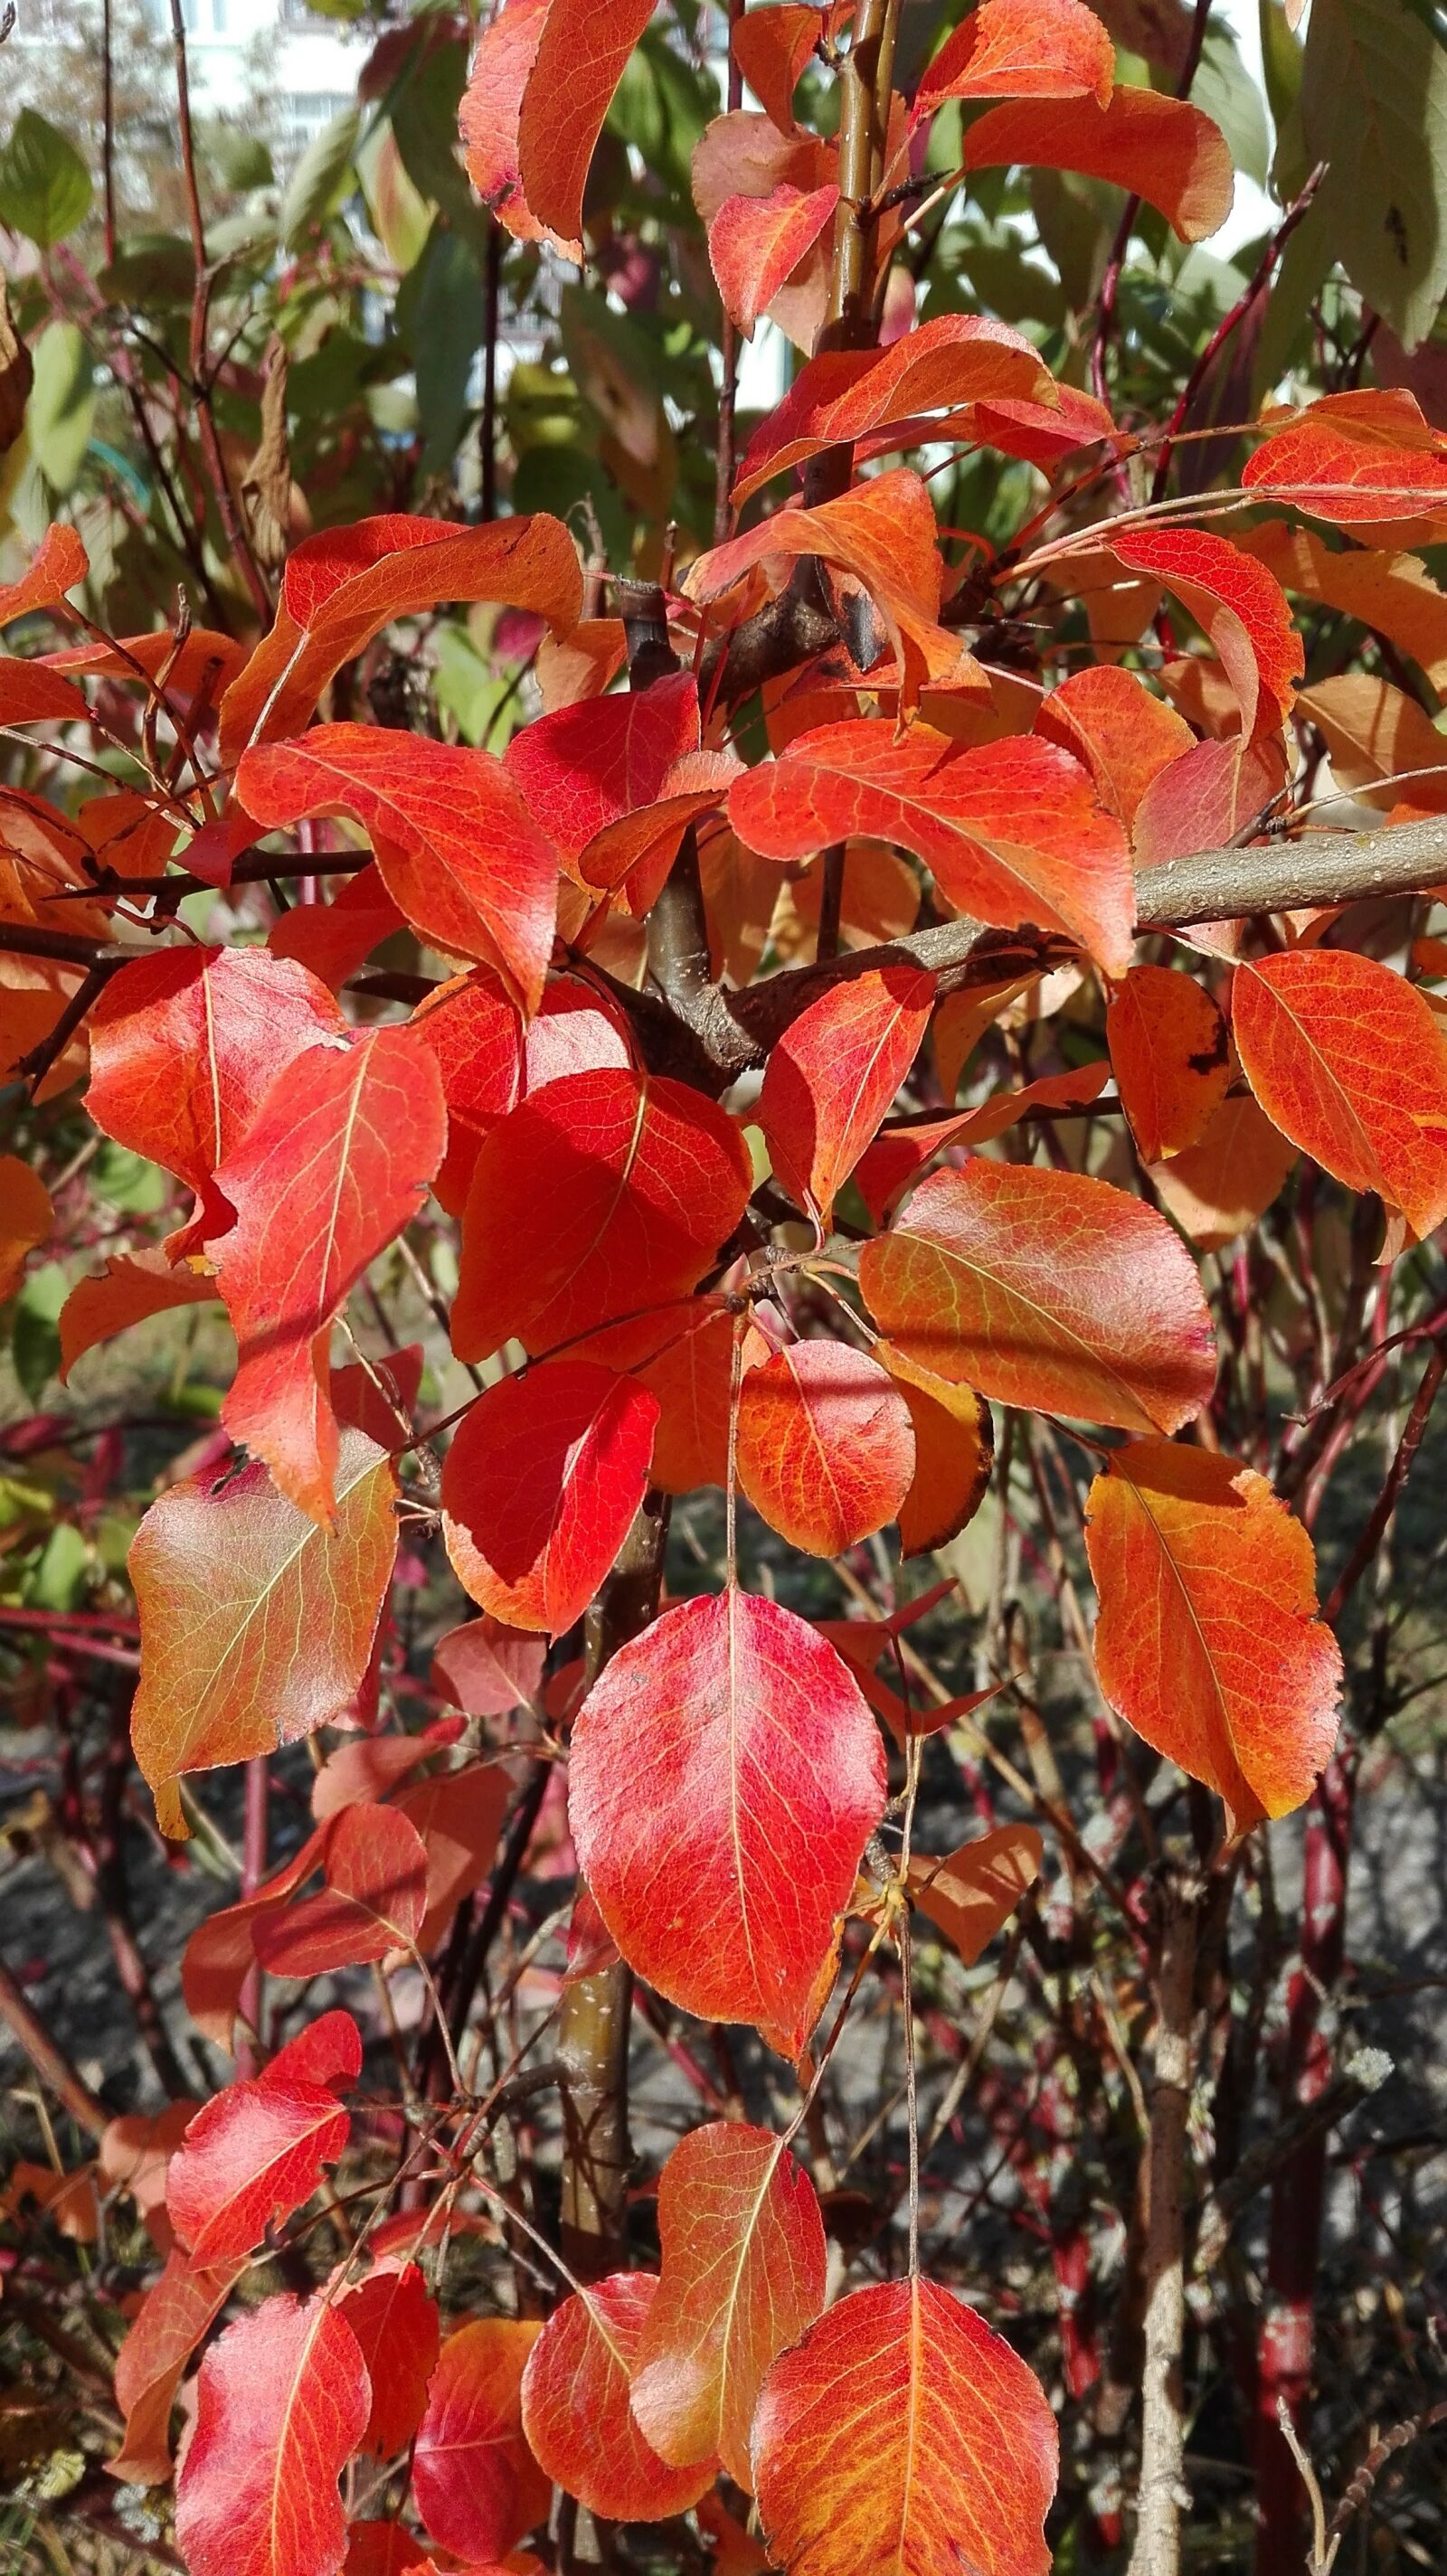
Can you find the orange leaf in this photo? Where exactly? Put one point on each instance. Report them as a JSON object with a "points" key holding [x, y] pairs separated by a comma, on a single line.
{"points": [[342, 587], [1348, 457], [744, 2265], [60, 563], [335, 1162], [773, 47], [32, 694], [256, 1623], [584, 767], [457, 848], [333, 939], [825, 1445], [1238, 602], [1011, 830], [1208, 1642], [833, 1074], [1393, 593], [743, 155], [721, 1867], [755, 243], [576, 2413], [897, 1157], [169, 2324], [477, 2486], [488, 118], [581, 55], [540, 1486], [1125, 735], [885, 536], [621, 1187], [1045, 1289], [958, 358], [219, 1956], [1170, 1057], [281, 2405], [954, 1450], [683, 1355], [1219, 1187], [1375, 732], [1349, 1061], [26, 1217], [1161, 149], [1021, 49], [132, 1286], [902, 2434], [972, 1891]]}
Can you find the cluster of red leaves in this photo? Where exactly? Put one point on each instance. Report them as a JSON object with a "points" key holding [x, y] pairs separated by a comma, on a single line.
{"points": [[726, 1771]]}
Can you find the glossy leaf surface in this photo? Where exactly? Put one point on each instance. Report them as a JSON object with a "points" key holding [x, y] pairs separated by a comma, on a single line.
{"points": [[257, 1624], [904, 2436], [1208, 1641], [1022, 49], [744, 2264], [477, 2485], [721, 1867], [576, 2412], [825, 1447], [833, 1074], [253, 2154], [1045, 1289], [539, 1487], [282, 2404]]}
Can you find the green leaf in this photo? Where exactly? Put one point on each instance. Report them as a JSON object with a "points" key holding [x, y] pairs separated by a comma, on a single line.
{"points": [[45, 187], [322, 179], [150, 269], [35, 1339], [1374, 106], [1280, 60], [60, 1579], [451, 323], [126, 1180], [61, 408], [1225, 91], [241, 160]]}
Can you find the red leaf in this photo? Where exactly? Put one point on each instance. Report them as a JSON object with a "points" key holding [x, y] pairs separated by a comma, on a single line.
{"points": [[1161, 149], [1208, 1641], [256, 1625], [1125, 736], [1170, 1057], [721, 1867], [373, 1901], [1368, 455], [896, 1158], [634, 855], [539, 1487], [1242, 607], [772, 48], [581, 769], [219, 1955], [132, 1286], [833, 1074], [382, 2549], [1048, 1290], [251, 2157], [475, 1030], [1021, 49], [367, 1767], [169, 2324], [743, 155], [488, 118], [30, 693], [184, 1045], [744, 2265], [459, 1816], [901, 2433], [825, 1445], [1350, 1062], [477, 2487], [576, 2412], [604, 1193], [755, 243], [459, 852], [580, 59], [1011, 830], [395, 2323], [854, 394], [487, 1668], [60, 563], [969, 1893], [1213, 793], [282, 2403], [885, 536], [335, 1163], [328, 2051], [683, 1355], [333, 939], [342, 587]]}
